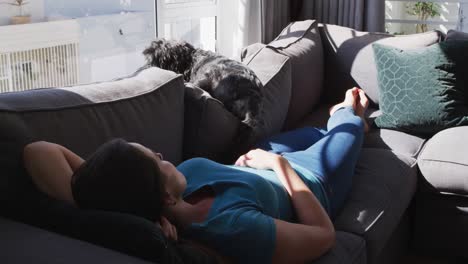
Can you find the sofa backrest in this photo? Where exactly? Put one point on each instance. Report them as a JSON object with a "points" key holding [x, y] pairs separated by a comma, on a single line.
{"points": [[147, 108], [301, 42], [349, 58]]}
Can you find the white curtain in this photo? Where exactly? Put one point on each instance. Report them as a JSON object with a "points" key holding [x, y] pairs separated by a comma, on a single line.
{"points": [[239, 25]]}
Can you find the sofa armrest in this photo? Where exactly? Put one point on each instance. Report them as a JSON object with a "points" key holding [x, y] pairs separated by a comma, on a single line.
{"points": [[443, 162]]}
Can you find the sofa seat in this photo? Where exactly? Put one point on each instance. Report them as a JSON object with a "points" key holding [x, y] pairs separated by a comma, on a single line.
{"points": [[384, 184], [396, 141], [383, 187], [348, 249], [22, 243]]}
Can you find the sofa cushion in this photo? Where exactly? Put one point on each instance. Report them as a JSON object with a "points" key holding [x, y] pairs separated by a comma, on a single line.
{"points": [[348, 249], [301, 42], [274, 71], [456, 35], [396, 141], [383, 187], [443, 162], [21, 243], [349, 59], [147, 108], [210, 129], [423, 91]]}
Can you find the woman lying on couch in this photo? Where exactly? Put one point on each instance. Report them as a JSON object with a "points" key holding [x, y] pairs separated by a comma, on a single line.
{"points": [[274, 205]]}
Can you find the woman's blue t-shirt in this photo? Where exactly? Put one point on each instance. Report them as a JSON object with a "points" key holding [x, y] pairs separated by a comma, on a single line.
{"points": [[240, 222]]}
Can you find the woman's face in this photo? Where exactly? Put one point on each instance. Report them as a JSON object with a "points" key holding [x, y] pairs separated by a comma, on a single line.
{"points": [[175, 182]]}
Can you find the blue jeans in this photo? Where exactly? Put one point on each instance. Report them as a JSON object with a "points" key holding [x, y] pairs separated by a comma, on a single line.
{"points": [[330, 154]]}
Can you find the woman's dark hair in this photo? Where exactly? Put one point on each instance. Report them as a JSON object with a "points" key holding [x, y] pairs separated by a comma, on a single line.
{"points": [[119, 177]]}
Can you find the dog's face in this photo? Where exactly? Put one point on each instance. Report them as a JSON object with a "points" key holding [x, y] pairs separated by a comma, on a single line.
{"points": [[238, 96], [170, 55]]}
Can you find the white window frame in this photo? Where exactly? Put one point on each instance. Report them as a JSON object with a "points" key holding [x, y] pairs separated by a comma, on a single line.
{"points": [[172, 12], [458, 24]]}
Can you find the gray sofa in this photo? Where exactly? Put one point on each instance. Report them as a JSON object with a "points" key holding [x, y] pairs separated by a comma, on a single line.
{"points": [[395, 205]]}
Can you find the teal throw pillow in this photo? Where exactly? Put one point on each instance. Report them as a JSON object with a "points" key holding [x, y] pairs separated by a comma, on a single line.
{"points": [[423, 91]]}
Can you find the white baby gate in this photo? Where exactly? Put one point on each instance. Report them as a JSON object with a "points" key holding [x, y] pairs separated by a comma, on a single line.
{"points": [[39, 55]]}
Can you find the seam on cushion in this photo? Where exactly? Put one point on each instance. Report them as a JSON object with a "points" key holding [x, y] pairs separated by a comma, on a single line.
{"points": [[255, 55], [420, 149], [445, 161], [314, 24], [91, 104], [427, 142], [286, 59], [244, 56], [362, 247], [414, 159]]}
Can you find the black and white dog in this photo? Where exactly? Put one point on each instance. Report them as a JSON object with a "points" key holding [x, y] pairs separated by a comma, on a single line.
{"points": [[229, 81]]}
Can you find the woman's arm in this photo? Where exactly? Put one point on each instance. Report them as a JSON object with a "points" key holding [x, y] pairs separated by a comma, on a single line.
{"points": [[51, 167], [314, 234]]}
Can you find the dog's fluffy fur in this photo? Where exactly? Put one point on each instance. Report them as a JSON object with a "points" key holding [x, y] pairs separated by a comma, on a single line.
{"points": [[229, 81]]}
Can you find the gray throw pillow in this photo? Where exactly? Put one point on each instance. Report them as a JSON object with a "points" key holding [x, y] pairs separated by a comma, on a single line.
{"points": [[210, 129], [423, 91], [301, 42], [349, 58]]}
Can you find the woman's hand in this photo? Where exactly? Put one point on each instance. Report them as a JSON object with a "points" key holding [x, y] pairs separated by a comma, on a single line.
{"points": [[168, 229], [259, 159]]}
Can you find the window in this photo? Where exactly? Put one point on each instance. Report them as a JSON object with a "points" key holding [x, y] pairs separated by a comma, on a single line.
{"points": [[55, 43], [191, 20], [412, 16], [64, 42]]}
